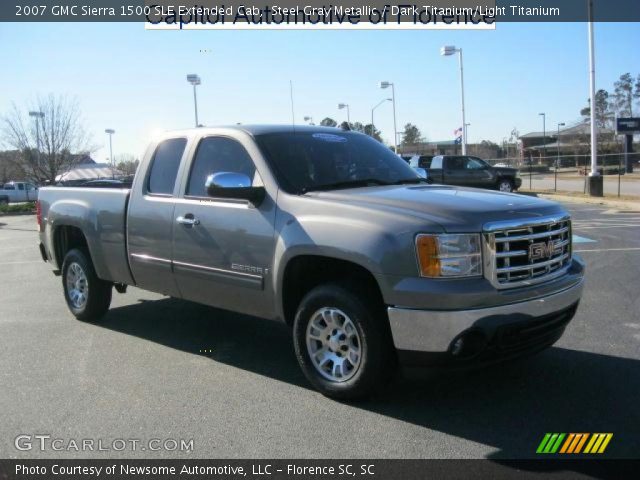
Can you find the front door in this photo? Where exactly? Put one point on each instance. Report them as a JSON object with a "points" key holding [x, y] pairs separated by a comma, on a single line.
{"points": [[223, 248]]}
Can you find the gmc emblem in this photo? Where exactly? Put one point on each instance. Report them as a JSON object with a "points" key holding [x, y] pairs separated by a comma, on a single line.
{"points": [[541, 250]]}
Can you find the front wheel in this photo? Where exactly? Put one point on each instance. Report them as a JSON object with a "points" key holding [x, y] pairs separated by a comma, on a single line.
{"points": [[87, 296], [342, 343], [505, 185]]}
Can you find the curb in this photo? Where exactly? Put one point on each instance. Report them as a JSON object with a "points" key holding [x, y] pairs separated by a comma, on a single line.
{"points": [[613, 203]]}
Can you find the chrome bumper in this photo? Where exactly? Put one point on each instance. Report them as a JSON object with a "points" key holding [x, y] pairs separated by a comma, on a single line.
{"points": [[435, 330]]}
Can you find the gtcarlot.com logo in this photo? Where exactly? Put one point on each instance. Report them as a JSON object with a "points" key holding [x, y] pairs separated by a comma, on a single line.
{"points": [[45, 442], [573, 443]]}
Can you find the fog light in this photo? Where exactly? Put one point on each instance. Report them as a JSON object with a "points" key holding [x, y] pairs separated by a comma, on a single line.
{"points": [[468, 344]]}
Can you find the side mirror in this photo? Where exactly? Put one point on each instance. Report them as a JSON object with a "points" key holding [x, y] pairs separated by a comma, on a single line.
{"points": [[233, 185]]}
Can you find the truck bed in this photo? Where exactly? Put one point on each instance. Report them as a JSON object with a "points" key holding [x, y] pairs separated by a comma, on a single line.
{"points": [[101, 214]]}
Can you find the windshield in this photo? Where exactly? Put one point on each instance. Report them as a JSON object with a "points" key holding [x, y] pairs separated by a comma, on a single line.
{"points": [[308, 161]]}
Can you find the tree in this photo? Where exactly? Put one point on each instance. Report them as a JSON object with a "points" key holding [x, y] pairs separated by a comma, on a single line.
{"points": [[411, 135], [126, 163], [623, 95], [603, 111], [376, 133], [328, 122], [61, 136]]}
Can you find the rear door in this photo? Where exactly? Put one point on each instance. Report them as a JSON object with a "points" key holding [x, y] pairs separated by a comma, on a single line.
{"points": [[223, 254], [151, 219], [455, 171]]}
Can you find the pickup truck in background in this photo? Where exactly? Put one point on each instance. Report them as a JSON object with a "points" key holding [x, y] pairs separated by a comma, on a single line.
{"points": [[469, 171], [331, 233], [13, 192]]}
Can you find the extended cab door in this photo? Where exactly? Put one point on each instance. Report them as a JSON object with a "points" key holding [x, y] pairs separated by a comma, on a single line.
{"points": [[151, 218], [223, 247], [455, 171]]}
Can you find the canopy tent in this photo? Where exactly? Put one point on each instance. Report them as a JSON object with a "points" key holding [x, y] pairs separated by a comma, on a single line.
{"points": [[88, 171]]}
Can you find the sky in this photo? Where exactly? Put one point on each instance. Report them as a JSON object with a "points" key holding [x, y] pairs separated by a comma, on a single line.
{"points": [[133, 80]]}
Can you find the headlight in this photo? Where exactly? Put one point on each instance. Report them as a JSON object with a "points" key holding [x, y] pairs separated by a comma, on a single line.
{"points": [[455, 255]]}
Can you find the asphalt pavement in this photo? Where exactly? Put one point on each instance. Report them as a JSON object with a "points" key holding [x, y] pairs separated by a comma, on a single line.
{"points": [[161, 368]]}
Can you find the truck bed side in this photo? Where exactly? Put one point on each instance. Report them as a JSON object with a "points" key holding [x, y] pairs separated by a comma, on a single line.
{"points": [[100, 214]]}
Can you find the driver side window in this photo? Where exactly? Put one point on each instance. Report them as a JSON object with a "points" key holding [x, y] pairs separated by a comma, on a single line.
{"points": [[215, 155]]}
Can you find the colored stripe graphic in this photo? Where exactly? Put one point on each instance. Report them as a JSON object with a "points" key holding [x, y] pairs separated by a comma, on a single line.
{"points": [[573, 443]]}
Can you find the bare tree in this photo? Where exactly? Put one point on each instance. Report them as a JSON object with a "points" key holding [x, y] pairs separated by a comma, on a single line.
{"points": [[126, 163], [62, 138]]}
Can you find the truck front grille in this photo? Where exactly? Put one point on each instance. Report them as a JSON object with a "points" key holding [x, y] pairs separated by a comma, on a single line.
{"points": [[529, 252]]}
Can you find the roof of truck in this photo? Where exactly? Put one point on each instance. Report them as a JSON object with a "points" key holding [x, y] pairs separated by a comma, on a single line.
{"points": [[264, 129]]}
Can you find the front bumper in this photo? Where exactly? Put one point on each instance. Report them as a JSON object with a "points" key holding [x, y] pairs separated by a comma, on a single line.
{"points": [[529, 323]]}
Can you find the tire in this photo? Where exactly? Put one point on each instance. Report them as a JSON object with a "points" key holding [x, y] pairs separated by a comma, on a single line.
{"points": [[505, 185], [87, 296], [356, 344]]}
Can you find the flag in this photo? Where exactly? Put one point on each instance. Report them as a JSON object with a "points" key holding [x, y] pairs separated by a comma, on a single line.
{"points": [[457, 131]]}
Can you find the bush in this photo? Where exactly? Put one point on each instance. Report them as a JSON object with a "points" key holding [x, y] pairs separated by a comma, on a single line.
{"points": [[28, 207]]}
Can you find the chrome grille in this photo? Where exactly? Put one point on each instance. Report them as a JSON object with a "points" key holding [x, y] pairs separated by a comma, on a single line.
{"points": [[527, 252]]}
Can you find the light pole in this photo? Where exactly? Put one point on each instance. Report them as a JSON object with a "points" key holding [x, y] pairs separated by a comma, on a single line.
{"points": [[393, 100], [446, 51], [110, 132], [595, 181], [555, 176], [309, 119], [37, 115], [544, 134], [194, 80], [344, 105], [373, 128]]}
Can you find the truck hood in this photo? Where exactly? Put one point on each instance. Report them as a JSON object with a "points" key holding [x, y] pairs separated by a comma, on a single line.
{"points": [[454, 209]]}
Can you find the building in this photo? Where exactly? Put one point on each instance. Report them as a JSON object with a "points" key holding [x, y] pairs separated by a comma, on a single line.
{"points": [[572, 146]]}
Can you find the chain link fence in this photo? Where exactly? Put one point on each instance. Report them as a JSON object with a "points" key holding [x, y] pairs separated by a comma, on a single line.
{"points": [[569, 172]]}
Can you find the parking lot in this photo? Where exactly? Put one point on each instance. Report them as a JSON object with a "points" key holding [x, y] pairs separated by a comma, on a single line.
{"points": [[157, 367]]}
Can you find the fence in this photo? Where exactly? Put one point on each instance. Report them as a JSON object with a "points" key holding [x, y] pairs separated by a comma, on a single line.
{"points": [[569, 172]]}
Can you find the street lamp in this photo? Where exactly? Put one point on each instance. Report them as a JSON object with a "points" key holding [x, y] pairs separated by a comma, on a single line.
{"points": [[393, 99], [373, 129], [344, 105], [544, 133], [446, 51], [194, 80], [37, 115], [309, 119], [555, 176], [110, 132]]}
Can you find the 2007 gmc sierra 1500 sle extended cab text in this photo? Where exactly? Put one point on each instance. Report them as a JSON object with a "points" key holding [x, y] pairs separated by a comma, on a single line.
{"points": [[331, 233]]}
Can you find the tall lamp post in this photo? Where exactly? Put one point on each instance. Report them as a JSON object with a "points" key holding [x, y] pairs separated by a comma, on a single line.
{"points": [[345, 105], [595, 180], [544, 133], [446, 51], [393, 100], [37, 115], [373, 128], [555, 176], [194, 80], [110, 132]]}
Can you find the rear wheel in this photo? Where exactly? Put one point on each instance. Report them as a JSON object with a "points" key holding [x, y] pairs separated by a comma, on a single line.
{"points": [[87, 296], [505, 185], [342, 343]]}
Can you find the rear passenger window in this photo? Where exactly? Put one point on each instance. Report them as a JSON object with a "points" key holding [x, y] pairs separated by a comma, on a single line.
{"points": [[164, 166], [215, 155]]}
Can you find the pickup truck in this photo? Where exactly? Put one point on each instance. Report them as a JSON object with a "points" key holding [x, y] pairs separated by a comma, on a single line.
{"points": [[468, 171], [13, 192], [331, 233]]}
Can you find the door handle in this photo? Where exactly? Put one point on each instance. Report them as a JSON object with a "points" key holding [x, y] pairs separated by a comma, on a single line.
{"points": [[188, 220]]}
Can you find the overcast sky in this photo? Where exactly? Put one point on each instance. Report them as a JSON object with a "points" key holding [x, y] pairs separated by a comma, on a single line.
{"points": [[133, 80]]}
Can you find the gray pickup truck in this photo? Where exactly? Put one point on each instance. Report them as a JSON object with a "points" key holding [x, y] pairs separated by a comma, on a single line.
{"points": [[331, 233]]}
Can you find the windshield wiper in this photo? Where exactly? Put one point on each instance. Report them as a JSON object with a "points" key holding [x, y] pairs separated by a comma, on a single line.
{"points": [[406, 181], [365, 182]]}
